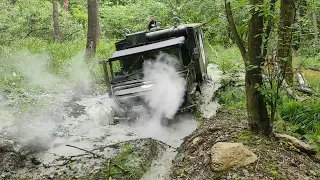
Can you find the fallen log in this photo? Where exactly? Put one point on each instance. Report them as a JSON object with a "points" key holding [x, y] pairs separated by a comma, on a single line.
{"points": [[301, 81], [303, 84], [302, 146], [290, 91], [305, 90]]}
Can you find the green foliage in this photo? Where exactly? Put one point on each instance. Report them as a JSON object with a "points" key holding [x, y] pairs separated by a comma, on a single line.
{"points": [[33, 18], [133, 16], [308, 62], [228, 59], [314, 138], [306, 114], [313, 78], [233, 99], [128, 164], [304, 119], [59, 58]]}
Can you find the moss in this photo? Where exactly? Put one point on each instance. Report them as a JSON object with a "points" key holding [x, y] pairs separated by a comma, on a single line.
{"points": [[131, 163], [245, 136]]}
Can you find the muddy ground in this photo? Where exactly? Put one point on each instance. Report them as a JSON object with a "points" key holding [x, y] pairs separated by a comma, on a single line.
{"points": [[65, 135]]}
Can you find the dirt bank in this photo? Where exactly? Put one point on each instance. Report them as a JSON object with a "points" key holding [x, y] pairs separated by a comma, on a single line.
{"points": [[276, 160]]}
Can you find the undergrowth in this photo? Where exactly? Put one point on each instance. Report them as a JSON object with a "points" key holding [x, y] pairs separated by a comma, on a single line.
{"points": [[130, 164], [307, 62], [57, 59], [228, 59]]}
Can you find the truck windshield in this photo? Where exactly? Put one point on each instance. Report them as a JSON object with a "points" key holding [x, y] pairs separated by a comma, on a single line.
{"points": [[127, 68], [131, 67]]}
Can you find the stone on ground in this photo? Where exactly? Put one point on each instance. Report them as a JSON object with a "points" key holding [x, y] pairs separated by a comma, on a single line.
{"points": [[225, 155]]}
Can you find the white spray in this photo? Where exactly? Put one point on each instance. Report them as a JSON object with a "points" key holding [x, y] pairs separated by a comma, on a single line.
{"points": [[168, 86], [37, 129]]}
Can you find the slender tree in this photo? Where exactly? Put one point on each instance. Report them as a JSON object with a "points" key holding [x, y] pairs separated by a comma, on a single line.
{"points": [[56, 28], [315, 26], [66, 5], [284, 53], [256, 107], [93, 28]]}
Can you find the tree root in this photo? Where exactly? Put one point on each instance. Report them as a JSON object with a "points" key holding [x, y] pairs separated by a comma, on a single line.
{"points": [[302, 146]]}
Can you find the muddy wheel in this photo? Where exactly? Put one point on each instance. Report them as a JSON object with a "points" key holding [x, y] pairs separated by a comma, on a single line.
{"points": [[197, 101]]}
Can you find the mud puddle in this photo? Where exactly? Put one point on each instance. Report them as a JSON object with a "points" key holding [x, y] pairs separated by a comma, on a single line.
{"points": [[47, 140]]}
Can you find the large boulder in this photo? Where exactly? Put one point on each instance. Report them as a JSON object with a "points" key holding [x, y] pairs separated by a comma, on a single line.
{"points": [[225, 155]]}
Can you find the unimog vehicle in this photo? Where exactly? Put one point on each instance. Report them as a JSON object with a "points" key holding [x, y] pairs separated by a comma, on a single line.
{"points": [[124, 70]]}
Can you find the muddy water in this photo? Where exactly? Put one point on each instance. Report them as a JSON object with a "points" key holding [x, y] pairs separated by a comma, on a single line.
{"points": [[161, 166], [80, 121]]}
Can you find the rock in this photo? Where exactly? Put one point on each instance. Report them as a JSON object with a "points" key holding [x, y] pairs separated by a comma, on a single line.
{"points": [[192, 159], [196, 141], [225, 155], [303, 147]]}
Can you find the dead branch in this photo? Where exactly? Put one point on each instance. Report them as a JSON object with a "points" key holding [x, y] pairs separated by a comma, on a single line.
{"points": [[95, 154], [305, 90], [290, 91], [115, 145], [66, 159], [305, 80], [314, 69], [300, 79], [303, 84], [303, 147], [255, 169]]}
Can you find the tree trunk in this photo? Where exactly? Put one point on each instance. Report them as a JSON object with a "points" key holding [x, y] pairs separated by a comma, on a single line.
{"points": [[93, 28], [268, 29], [256, 107], [315, 26], [299, 19], [56, 29], [66, 5], [287, 14], [257, 110], [235, 33]]}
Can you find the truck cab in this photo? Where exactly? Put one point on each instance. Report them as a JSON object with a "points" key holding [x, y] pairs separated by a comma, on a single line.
{"points": [[124, 70]]}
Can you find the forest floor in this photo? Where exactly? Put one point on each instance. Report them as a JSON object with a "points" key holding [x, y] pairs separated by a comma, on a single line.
{"points": [[276, 159]]}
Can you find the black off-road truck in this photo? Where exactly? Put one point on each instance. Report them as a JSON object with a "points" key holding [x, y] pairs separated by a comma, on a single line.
{"points": [[124, 70]]}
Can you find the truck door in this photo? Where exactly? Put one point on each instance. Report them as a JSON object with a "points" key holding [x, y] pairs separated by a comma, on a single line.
{"points": [[202, 59], [201, 44]]}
